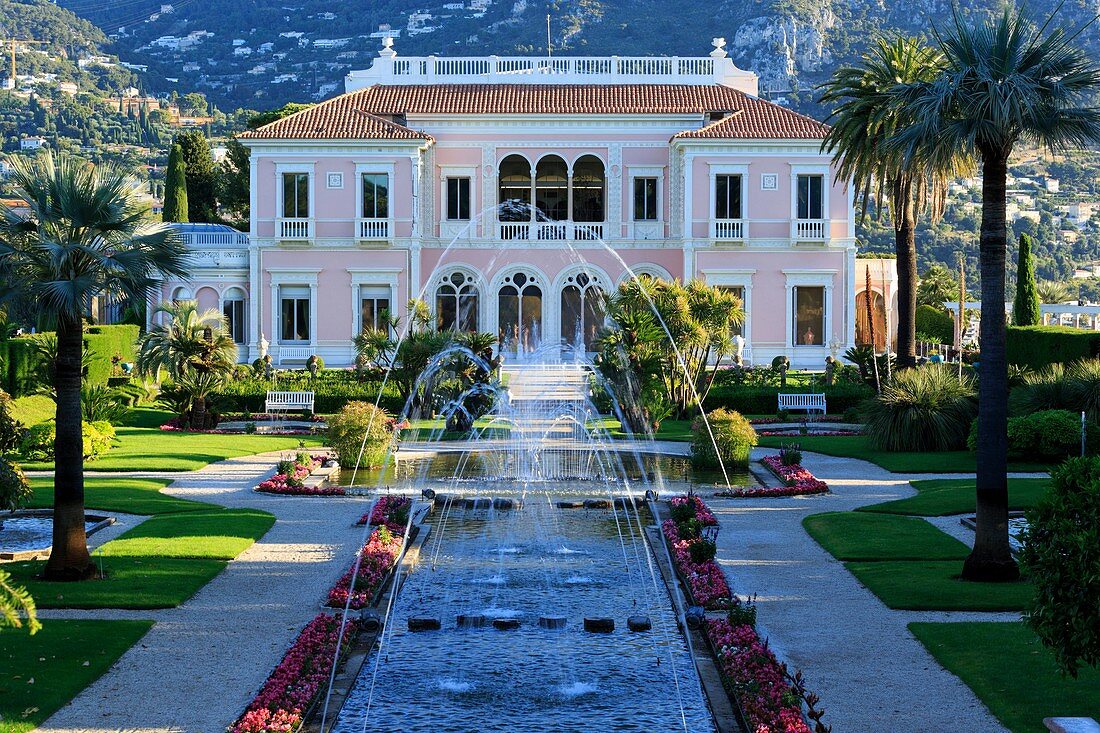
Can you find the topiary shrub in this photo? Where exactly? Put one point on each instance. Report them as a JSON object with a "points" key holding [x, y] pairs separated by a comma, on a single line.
{"points": [[346, 431], [732, 434], [37, 444], [1061, 551], [14, 488], [924, 409], [1048, 434], [935, 324]]}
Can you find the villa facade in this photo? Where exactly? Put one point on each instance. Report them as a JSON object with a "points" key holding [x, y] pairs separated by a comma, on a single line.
{"points": [[511, 194]]}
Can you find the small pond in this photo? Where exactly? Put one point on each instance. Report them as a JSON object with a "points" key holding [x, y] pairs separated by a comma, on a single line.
{"points": [[26, 532]]}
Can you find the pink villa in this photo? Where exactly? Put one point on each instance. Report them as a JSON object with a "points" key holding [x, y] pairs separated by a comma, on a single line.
{"points": [[510, 193]]}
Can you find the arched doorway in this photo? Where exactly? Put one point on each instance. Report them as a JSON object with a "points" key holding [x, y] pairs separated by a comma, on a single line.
{"points": [[583, 310], [863, 329], [552, 188], [456, 303], [519, 313], [589, 183], [514, 193]]}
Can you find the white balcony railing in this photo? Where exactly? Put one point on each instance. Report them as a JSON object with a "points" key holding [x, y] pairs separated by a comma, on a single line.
{"points": [[728, 229], [373, 228], [550, 231], [295, 228], [810, 230]]}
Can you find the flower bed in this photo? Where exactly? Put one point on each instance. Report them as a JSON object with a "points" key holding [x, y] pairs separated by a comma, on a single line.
{"points": [[798, 480], [752, 673], [390, 510], [291, 480], [809, 431], [704, 579], [173, 427], [701, 512], [284, 699], [375, 561]]}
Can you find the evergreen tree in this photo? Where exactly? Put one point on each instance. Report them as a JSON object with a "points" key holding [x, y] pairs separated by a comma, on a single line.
{"points": [[1025, 309], [202, 203], [175, 188]]}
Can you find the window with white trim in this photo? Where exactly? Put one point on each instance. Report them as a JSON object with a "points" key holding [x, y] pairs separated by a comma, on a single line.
{"points": [[233, 310], [645, 198], [295, 195], [811, 196], [293, 313], [374, 307], [737, 329], [809, 315], [458, 199], [727, 196], [376, 195]]}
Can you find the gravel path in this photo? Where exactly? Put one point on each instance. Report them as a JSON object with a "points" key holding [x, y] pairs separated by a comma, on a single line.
{"points": [[201, 663], [858, 655]]}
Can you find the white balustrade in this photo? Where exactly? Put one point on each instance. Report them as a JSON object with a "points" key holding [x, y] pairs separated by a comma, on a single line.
{"points": [[295, 228], [810, 230], [728, 229], [373, 228], [550, 231]]}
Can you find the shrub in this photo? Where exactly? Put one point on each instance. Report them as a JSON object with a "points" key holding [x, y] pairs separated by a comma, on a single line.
{"points": [[284, 468], [1038, 346], [14, 488], [11, 430], [790, 455], [1061, 550], [935, 324], [38, 442], [702, 550], [1075, 388], [99, 402], [762, 399], [729, 432], [360, 426], [1049, 434], [924, 409]]}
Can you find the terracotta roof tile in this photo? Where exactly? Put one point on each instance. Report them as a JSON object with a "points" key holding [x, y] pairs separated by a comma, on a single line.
{"points": [[355, 115]]}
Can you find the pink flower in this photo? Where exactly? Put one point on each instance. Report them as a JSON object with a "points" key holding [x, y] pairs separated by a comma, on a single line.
{"points": [[797, 479], [375, 561], [280, 483]]}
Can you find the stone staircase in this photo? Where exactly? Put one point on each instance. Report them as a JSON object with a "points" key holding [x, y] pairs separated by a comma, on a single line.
{"points": [[547, 402]]}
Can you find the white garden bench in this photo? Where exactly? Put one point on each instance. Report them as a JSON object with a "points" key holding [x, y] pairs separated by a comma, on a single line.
{"points": [[807, 402], [288, 401]]}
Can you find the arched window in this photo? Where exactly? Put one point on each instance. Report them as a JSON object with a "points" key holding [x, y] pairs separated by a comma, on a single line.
{"points": [[588, 189], [519, 307], [515, 189], [233, 310], [552, 188], [583, 309], [878, 311], [456, 303]]}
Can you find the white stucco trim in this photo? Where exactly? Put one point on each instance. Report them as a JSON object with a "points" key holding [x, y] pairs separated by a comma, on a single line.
{"points": [[736, 278], [644, 268], [823, 278], [368, 277], [483, 295], [301, 276]]}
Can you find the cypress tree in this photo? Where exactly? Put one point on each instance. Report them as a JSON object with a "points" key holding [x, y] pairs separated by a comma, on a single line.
{"points": [[201, 193], [175, 187], [1025, 308]]}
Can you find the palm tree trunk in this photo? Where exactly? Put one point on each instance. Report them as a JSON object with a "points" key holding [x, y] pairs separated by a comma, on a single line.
{"points": [[69, 558], [905, 245], [991, 559], [198, 413]]}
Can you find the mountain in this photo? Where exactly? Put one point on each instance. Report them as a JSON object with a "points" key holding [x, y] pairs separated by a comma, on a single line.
{"points": [[263, 53]]}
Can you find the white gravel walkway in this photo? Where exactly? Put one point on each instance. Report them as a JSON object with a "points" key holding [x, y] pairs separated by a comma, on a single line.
{"points": [[201, 663], [858, 655]]}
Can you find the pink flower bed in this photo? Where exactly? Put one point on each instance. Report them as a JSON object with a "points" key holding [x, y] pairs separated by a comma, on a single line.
{"points": [[390, 510], [706, 581], [291, 484], [703, 514], [757, 678], [376, 559], [173, 427], [797, 479], [288, 692], [788, 433]]}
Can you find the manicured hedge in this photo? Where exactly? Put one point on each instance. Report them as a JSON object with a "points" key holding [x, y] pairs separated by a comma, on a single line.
{"points": [[22, 369], [332, 390], [935, 322], [763, 400], [1038, 346]]}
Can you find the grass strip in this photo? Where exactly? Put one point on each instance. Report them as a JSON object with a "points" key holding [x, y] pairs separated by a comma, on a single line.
{"points": [[935, 585], [852, 536], [118, 494], [1011, 672], [943, 497]]}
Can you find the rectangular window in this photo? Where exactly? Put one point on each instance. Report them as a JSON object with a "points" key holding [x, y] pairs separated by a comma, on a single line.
{"points": [[458, 199], [373, 312], [737, 329], [810, 196], [234, 318], [809, 316], [296, 195], [376, 196], [727, 197], [645, 199], [294, 314]]}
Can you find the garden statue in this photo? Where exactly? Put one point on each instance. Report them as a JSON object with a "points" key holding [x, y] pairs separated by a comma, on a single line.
{"points": [[781, 364], [263, 346], [738, 349], [830, 371], [312, 364], [269, 369]]}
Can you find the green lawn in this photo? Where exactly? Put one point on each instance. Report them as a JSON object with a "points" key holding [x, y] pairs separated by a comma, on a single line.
{"points": [[40, 673], [934, 585], [669, 429], [33, 409], [432, 429], [1011, 672], [851, 536], [118, 494], [941, 497], [142, 446], [857, 446], [217, 534]]}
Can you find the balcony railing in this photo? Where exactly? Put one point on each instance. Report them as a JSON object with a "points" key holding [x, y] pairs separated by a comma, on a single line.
{"points": [[550, 231], [728, 229], [295, 228], [810, 230], [373, 228]]}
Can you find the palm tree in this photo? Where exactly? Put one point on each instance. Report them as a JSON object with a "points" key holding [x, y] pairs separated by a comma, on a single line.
{"points": [[195, 348], [1052, 291], [86, 235], [866, 116], [1005, 81]]}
